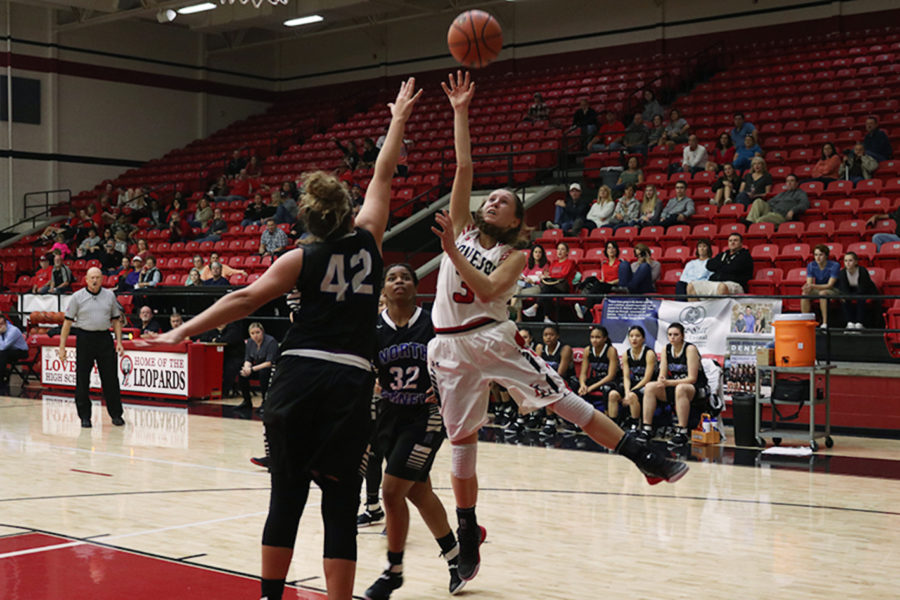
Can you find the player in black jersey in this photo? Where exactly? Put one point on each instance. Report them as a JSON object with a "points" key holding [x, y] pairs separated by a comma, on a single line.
{"points": [[409, 430], [600, 372], [638, 369], [317, 409], [681, 382], [558, 357]]}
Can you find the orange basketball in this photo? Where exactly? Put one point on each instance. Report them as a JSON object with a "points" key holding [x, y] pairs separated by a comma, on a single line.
{"points": [[475, 38]]}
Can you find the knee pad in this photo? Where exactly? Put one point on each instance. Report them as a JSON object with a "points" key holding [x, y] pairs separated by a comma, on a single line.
{"points": [[340, 501], [462, 459], [574, 409]]}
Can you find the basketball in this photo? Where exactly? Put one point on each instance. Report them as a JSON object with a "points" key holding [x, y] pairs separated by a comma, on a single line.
{"points": [[475, 39]]}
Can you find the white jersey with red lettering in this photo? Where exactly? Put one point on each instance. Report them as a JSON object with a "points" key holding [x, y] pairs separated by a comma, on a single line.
{"points": [[456, 308]]}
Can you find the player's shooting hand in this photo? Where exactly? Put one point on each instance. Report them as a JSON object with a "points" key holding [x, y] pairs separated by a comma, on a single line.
{"points": [[402, 106], [460, 90], [444, 231]]}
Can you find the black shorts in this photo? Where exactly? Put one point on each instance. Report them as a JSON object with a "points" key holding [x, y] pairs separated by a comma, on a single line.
{"points": [[638, 392], [318, 417], [599, 396], [409, 438], [700, 395]]}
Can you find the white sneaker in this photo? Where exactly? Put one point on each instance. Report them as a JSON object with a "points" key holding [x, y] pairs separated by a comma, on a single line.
{"points": [[531, 311], [548, 320], [579, 310], [858, 326], [823, 326], [851, 325]]}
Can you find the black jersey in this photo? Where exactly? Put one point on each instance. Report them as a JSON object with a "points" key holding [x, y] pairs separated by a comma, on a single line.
{"points": [[339, 285], [678, 368], [637, 367], [598, 364], [402, 358], [554, 359]]}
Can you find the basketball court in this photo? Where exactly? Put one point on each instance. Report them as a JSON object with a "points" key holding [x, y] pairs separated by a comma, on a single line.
{"points": [[170, 507]]}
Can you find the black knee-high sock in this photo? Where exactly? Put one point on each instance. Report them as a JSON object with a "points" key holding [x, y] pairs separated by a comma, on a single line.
{"points": [[466, 517], [448, 545], [373, 478], [272, 589]]}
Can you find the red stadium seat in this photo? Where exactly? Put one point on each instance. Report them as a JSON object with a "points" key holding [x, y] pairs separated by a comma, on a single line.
{"points": [[788, 232], [888, 258], [675, 235], [676, 256], [849, 232], [766, 282], [792, 285], [864, 250], [730, 213], [727, 229], [764, 253], [707, 231], [840, 188], [868, 188], [793, 256], [666, 283], [759, 233], [819, 232]]}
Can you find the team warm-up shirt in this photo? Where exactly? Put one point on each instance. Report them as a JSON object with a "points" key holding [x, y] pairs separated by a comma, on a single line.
{"points": [[678, 368], [637, 366], [402, 358], [455, 304], [340, 282], [599, 365]]}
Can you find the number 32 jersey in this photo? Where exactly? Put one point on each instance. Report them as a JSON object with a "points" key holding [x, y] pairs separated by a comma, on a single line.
{"points": [[339, 283], [456, 308], [402, 358]]}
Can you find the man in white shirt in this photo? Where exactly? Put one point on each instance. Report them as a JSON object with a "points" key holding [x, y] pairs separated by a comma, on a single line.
{"points": [[693, 158]]}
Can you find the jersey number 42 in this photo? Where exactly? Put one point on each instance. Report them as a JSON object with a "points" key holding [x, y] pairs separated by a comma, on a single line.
{"points": [[359, 267]]}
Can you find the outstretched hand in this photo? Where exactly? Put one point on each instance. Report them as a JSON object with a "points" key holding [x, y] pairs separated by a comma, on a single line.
{"points": [[167, 338], [460, 90], [444, 231], [402, 106]]}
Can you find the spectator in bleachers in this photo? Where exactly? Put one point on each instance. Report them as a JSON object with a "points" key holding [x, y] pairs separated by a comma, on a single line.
{"points": [[110, 258], [656, 131], [219, 190], [828, 167], [368, 156], [175, 320], [741, 130], [157, 215], [725, 188], [241, 187], [89, 247], [679, 208], [254, 169], [128, 279], [351, 154], [876, 141], [557, 279], [179, 229], [757, 182], [637, 137], [722, 153], [585, 120], [193, 278], [122, 226], [273, 241], [651, 207], [695, 270], [600, 213], [628, 209], [402, 160], [217, 227], [216, 277], [290, 189], [746, 152], [609, 135], [632, 174], [142, 249], [693, 158], [150, 276], [642, 273], [106, 214], [60, 277], [61, 246], [287, 209], [785, 206], [206, 272], [854, 280], [676, 131], [122, 241], [821, 280], [732, 270], [609, 270], [146, 323], [66, 227], [177, 208], [203, 215], [879, 239], [13, 348], [123, 269], [858, 165], [255, 212], [298, 229], [538, 111], [234, 165], [652, 107], [42, 276], [529, 282], [569, 209]]}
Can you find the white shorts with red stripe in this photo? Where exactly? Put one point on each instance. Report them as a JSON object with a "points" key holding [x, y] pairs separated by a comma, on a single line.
{"points": [[463, 365]]}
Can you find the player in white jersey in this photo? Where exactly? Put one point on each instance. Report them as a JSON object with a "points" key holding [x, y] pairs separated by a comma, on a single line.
{"points": [[476, 344]]}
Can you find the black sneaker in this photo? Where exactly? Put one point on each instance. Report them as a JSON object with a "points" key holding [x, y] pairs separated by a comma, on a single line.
{"points": [[652, 462], [534, 420], [261, 461], [469, 557], [549, 428], [501, 419], [679, 440], [631, 424], [644, 435], [567, 428], [456, 582], [384, 585], [370, 517], [515, 427], [118, 421]]}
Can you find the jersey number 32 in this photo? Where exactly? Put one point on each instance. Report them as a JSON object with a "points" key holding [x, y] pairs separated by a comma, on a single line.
{"points": [[359, 267]]}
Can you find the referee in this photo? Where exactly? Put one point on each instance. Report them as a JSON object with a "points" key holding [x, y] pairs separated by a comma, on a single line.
{"points": [[92, 308]]}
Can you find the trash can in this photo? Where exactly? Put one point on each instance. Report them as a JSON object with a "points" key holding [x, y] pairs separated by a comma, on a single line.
{"points": [[743, 409]]}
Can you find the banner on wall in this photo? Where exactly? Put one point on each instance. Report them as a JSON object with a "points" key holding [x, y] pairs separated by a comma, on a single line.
{"points": [[157, 373]]}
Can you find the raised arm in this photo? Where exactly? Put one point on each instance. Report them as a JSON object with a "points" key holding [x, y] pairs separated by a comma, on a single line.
{"points": [[373, 216], [460, 92]]}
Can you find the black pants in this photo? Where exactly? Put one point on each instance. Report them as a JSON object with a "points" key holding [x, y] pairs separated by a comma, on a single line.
{"points": [[264, 376], [96, 346], [9, 356], [231, 366]]}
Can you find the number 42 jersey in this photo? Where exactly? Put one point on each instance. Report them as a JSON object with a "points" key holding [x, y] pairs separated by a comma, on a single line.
{"points": [[456, 308], [402, 358]]}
